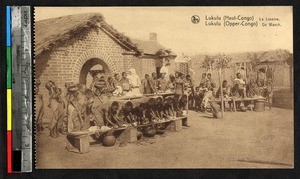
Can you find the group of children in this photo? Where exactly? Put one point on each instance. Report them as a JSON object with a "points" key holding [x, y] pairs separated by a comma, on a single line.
{"points": [[83, 107], [206, 91]]}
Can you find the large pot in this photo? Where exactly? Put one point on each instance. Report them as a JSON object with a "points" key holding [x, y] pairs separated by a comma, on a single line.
{"points": [[160, 131], [149, 132], [139, 135], [243, 108], [109, 141], [259, 105]]}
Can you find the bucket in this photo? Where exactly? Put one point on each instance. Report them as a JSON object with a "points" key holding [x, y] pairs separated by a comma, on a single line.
{"points": [[259, 105]]}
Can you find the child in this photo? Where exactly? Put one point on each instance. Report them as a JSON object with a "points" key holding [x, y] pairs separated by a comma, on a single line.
{"points": [[112, 115], [126, 113], [140, 113], [150, 112], [241, 85]]}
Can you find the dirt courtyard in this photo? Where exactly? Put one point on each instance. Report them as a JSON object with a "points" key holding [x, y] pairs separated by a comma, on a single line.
{"points": [[240, 140]]}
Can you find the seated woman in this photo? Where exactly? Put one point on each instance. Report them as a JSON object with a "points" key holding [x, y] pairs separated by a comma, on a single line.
{"points": [[253, 90]]}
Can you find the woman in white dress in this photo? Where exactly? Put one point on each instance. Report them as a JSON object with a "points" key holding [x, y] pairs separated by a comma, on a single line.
{"points": [[135, 82]]}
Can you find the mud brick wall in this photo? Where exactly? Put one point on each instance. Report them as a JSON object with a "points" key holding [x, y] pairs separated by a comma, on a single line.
{"points": [[64, 64]]}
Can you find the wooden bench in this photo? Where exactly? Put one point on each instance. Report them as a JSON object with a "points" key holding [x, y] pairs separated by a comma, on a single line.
{"points": [[80, 141], [234, 100]]}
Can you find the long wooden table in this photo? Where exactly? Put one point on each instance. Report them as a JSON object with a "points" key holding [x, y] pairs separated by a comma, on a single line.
{"points": [[234, 100], [155, 95], [78, 141]]}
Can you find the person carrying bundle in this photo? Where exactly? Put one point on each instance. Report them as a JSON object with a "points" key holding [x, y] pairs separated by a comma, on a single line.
{"points": [[39, 108], [75, 120], [57, 107]]}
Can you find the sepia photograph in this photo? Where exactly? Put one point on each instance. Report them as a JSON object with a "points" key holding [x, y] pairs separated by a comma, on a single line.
{"points": [[189, 87]]}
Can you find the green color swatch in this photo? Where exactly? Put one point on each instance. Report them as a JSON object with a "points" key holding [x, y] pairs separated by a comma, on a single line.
{"points": [[8, 66]]}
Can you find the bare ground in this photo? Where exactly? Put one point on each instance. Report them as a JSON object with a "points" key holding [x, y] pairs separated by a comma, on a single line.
{"points": [[240, 140]]}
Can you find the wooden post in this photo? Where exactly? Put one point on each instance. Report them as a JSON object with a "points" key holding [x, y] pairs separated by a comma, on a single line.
{"points": [[210, 68], [222, 103]]}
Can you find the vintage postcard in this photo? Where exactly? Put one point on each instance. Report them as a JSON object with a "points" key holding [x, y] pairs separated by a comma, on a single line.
{"points": [[164, 87]]}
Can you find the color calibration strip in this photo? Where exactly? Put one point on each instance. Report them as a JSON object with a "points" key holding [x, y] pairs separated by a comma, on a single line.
{"points": [[9, 91]]}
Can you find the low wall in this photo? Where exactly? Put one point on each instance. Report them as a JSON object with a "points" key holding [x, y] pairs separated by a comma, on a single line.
{"points": [[283, 98]]}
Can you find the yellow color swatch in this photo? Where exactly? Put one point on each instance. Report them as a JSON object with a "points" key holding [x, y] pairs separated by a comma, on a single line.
{"points": [[9, 110]]}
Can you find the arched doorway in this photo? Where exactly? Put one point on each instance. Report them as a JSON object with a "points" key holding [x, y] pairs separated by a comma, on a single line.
{"points": [[95, 64]]}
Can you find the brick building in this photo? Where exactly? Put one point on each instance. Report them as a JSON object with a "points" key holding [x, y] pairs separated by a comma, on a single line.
{"points": [[66, 48]]}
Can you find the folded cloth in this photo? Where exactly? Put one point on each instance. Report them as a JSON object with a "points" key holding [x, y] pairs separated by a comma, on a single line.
{"points": [[104, 129], [93, 128]]}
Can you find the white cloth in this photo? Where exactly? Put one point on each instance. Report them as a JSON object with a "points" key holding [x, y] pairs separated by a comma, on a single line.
{"points": [[165, 70], [239, 81], [118, 91], [206, 98], [135, 82], [134, 79]]}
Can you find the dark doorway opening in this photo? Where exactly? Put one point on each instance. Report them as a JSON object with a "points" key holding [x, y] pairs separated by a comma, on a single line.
{"points": [[88, 65]]}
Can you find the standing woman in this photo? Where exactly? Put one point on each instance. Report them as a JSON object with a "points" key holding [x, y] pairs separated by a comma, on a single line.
{"points": [[57, 108], [39, 107], [179, 81], [135, 82]]}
